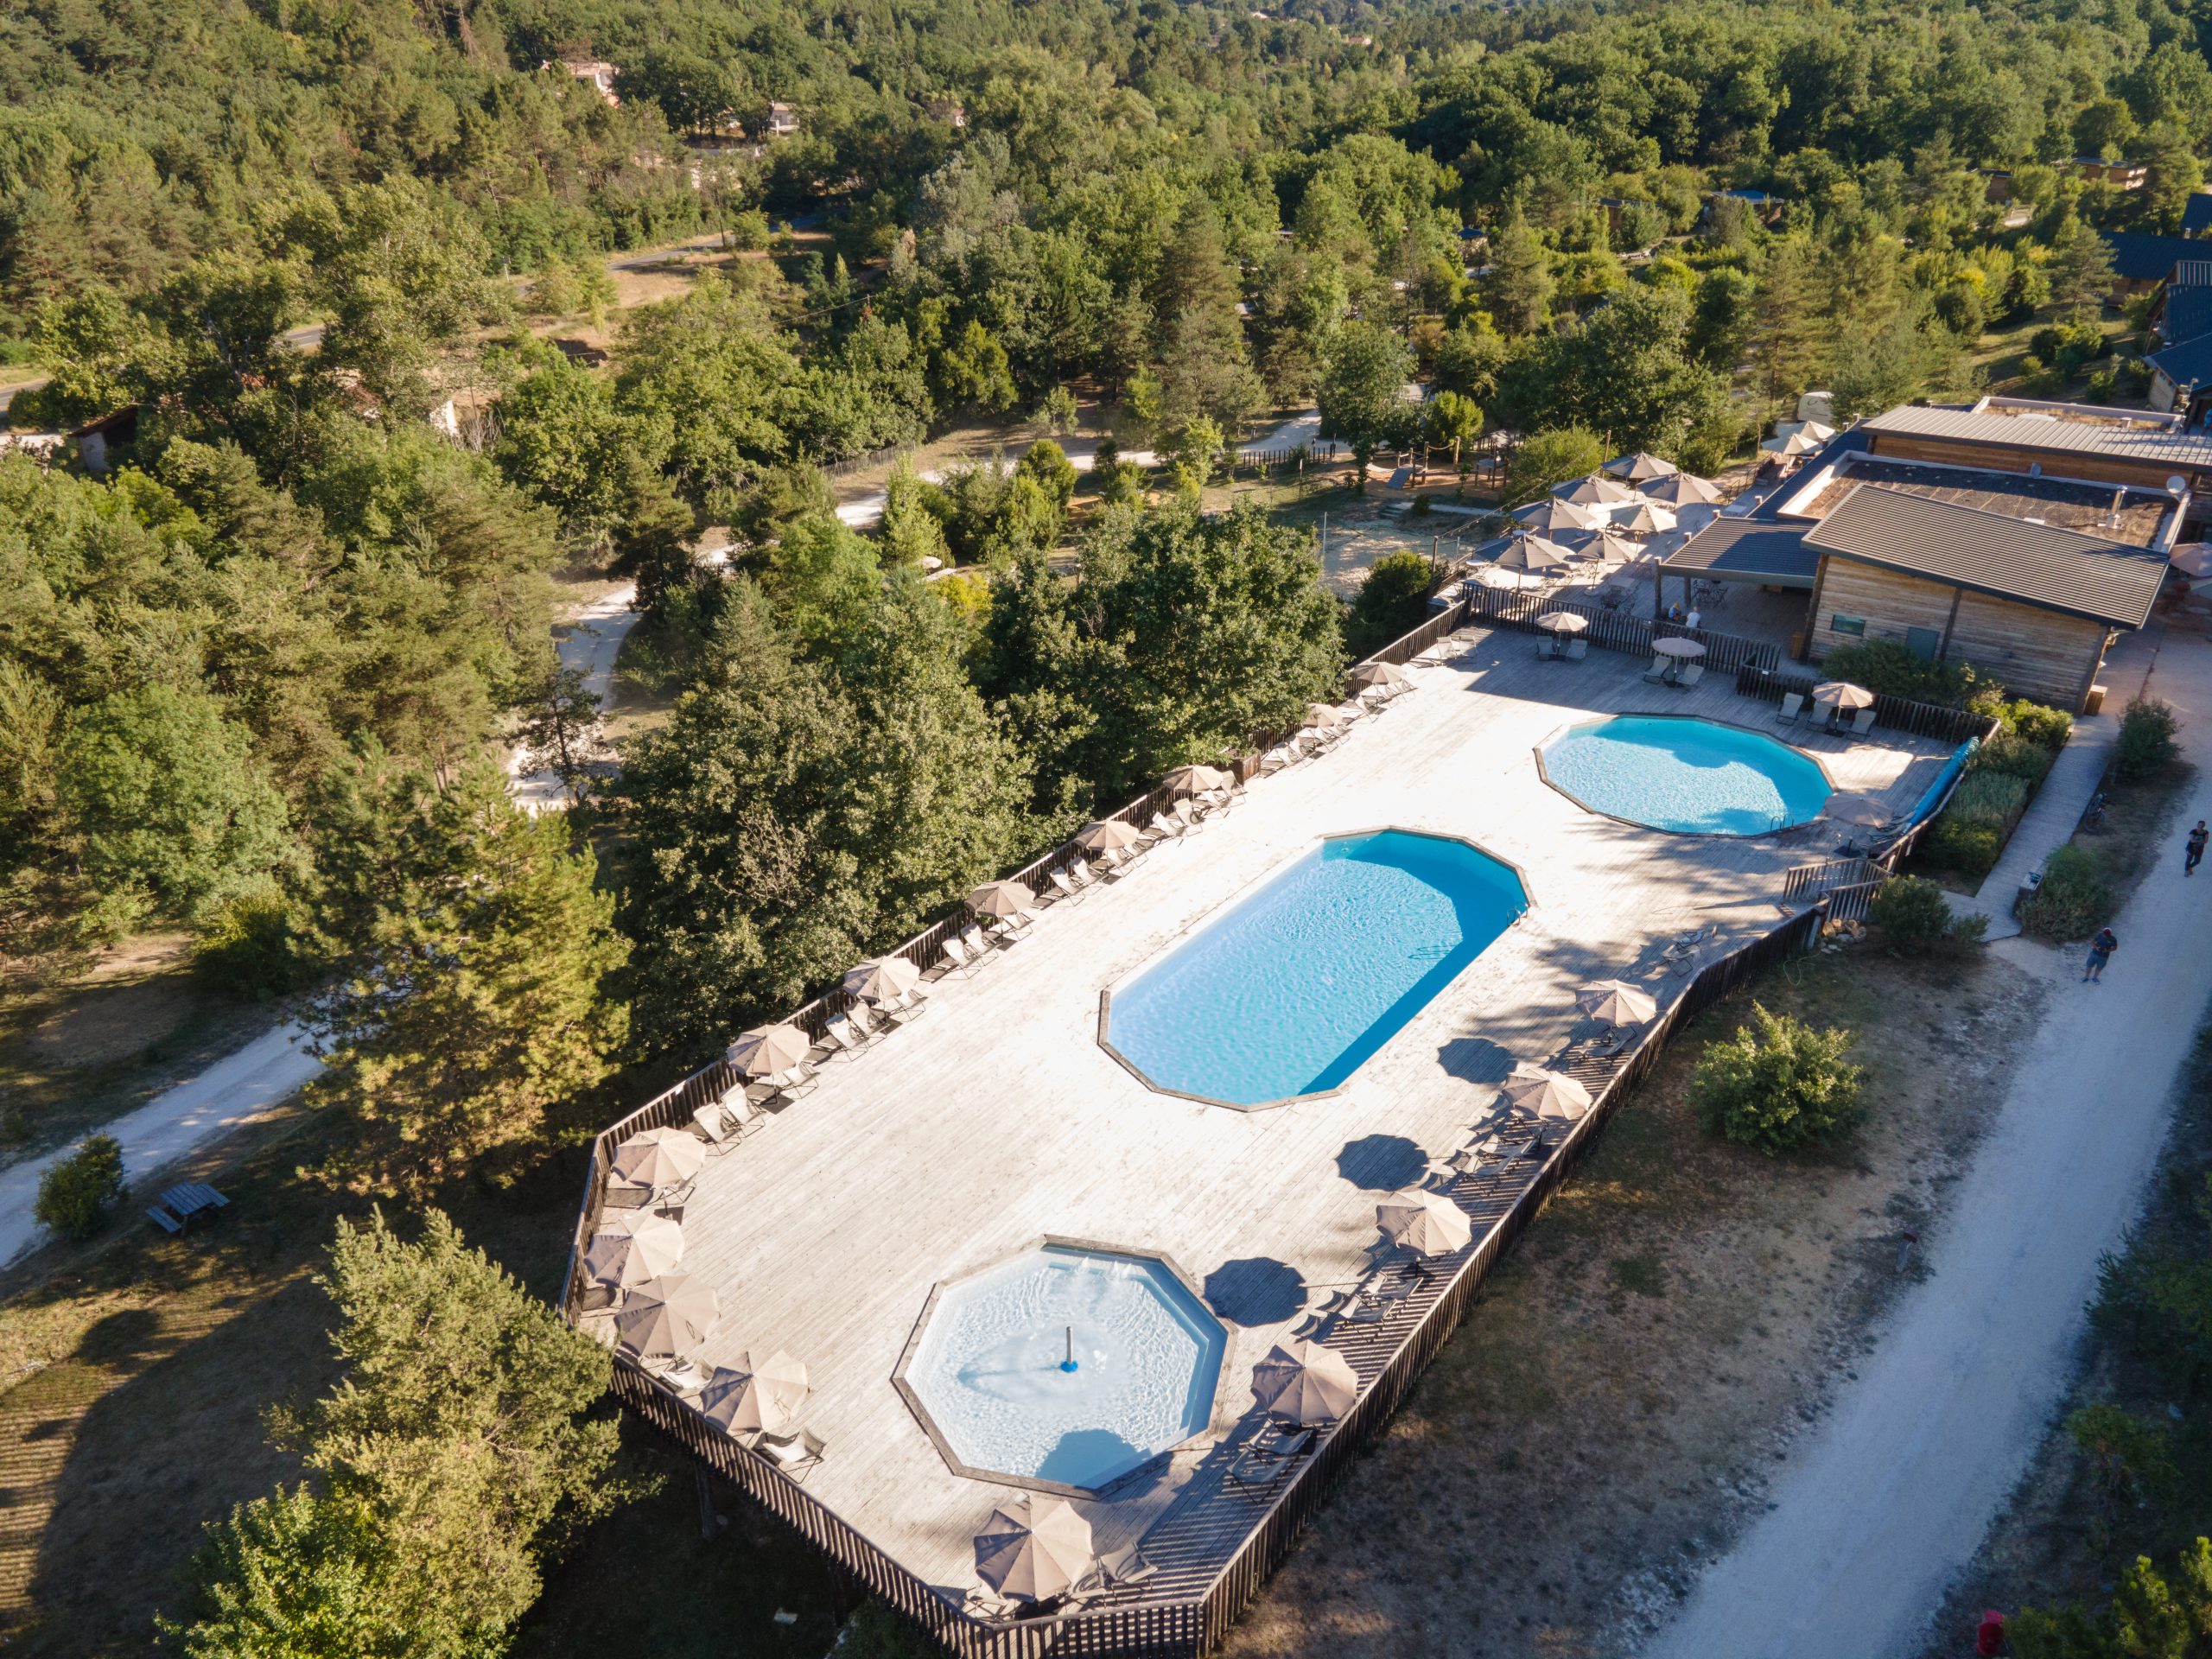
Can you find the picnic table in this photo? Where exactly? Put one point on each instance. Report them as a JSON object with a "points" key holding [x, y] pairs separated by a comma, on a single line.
{"points": [[183, 1203]]}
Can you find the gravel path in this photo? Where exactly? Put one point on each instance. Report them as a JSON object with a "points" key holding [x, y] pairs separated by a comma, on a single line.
{"points": [[592, 643], [235, 1089], [1883, 1504]]}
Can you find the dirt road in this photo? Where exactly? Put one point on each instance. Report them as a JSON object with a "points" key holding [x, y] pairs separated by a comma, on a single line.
{"points": [[1885, 1500], [592, 643]]}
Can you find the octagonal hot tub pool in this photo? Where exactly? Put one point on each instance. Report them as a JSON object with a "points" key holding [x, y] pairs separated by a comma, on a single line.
{"points": [[1066, 1366]]}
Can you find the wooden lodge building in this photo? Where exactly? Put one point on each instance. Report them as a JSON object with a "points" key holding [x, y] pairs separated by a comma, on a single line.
{"points": [[2021, 538]]}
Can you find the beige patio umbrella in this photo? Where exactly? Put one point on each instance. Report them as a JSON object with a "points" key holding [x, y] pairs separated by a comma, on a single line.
{"points": [[1676, 645], [1547, 1094], [1843, 694], [1195, 780], [1303, 1383], [1535, 553], [659, 1159], [1370, 674], [1002, 899], [1865, 809], [1610, 547], [1553, 516], [1616, 1002], [1562, 622], [1424, 1221], [1108, 835], [1322, 714], [1682, 490], [1797, 444], [1033, 1547], [1639, 467], [884, 980], [632, 1246], [766, 1050], [1509, 582], [1818, 431], [1595, 491], [743, 1398], [1647, 519], [668, 1316]]}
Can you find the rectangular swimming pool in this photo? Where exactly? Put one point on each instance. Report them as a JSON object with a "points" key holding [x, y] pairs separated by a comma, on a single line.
{"points": [[1294, 988]]}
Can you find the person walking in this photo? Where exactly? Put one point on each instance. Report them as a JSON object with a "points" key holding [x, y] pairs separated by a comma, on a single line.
{"points": [[2100, 949], [2197, 837]]}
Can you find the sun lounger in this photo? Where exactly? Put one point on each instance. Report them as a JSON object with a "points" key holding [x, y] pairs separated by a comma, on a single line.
{"points": [[792, 1453], [1363, 1311], [1691, 674], [988, 1605], [1577, 649], [1862, 722], [1661, 671], [1067, 885], [1824, 716], [681, 1378], [846, 1034], [1165, 828], [1122, 1568], [716, 1127], [1793, 704]]}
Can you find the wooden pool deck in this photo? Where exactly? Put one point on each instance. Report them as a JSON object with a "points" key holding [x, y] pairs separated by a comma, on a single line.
{"points": [[997, 1118]]}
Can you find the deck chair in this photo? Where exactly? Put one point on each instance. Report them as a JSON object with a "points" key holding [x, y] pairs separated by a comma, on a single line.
{"points": [[956, 958], [1065, 883], [1123, 1568], [848, 1034], [1793, 704], [977, 943], [1691, 674], [1824, 716], [792, 1453], [716, 1127], [797, 1084], [1165, 828], [1546, 647], [1660, 671], [1862, 722], [1577, 649]]}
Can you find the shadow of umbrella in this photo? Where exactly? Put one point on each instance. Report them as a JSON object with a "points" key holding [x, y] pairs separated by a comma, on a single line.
{"points": [[1381, 1163], [1255, 1290]]}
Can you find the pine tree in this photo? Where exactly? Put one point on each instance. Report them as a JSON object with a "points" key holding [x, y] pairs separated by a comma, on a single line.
{"points": [[1789, 329], [1520, 284]]}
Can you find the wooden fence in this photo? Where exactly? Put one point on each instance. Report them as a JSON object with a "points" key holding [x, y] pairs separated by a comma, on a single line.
{"points": [[1810, 880], [1897, 713], [1617, 629]]}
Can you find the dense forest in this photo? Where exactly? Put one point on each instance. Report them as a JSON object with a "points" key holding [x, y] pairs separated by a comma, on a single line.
{"points": [[256, 680]]}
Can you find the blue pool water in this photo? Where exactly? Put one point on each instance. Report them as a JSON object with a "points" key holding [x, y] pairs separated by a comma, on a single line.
{"points": [[1691, 776], [990, 1368], [1291, 989]]}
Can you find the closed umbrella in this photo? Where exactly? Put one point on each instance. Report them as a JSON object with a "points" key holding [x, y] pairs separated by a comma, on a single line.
{"points": [[1107, 835], [1509, 582], [1562, 622], [1303, 1383], [1676, 645], [743, 1398], [1595, 491], [1002, 899], [766, 1050], [1547, 1094], [1034, 1547], [1425, 1222], [885, 980], [1843, 694], [1553, 516], [1682, 490], [1535, 553], [1639, 467], [1616, 1002], [1195, 780], [1647, 519], [1369, 674], [1868, 811], [632, 1246], [1321, 715], [668, 1316], [659, 1159]]}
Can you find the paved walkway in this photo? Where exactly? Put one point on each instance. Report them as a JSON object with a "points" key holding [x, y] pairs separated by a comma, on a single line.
{"points": [[235, 1089], [1877, 1512], [2052, 816]]}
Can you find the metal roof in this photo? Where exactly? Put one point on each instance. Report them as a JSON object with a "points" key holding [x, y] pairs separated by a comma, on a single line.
{"points": [[2140, 257], [1748, 548], [2188, 363], [2188, 313], [2197, 214], [2036, 564], [2183, 451]]}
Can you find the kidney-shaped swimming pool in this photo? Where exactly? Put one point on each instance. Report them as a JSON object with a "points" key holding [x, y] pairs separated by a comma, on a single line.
{"points": [[1291, 988], [1694, 777]]}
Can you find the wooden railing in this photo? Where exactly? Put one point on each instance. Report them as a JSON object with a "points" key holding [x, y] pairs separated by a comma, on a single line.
{"points": [[1896, 714], [1813, 879], [1616, 630], [1189, 1625]]}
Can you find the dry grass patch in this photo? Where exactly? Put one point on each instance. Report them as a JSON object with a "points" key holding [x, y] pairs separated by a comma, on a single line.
{"points": [[1607, 1418]]}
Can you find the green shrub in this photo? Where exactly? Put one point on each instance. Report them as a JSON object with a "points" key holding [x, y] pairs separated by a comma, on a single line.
{"points": [[75, 1194], [2011, 755], [2033, 722], [1392, 601], [2146, 747], [1959, 844], [1884, 665], [1777, 1083], [2074, 898], [1995, 798], [1916, 919], [249, 945]]}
